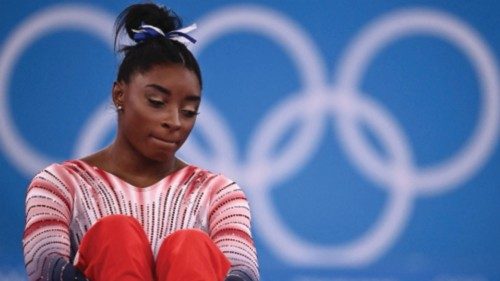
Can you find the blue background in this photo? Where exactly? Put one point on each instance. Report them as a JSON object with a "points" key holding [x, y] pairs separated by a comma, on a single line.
{"points": [[426, 84]]}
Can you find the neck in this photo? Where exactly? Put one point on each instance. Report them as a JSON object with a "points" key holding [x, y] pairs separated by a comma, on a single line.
{"points": [[123, 159]]}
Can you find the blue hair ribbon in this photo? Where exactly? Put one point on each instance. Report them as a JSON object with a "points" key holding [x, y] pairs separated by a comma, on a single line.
{"points": [[148, 31]]}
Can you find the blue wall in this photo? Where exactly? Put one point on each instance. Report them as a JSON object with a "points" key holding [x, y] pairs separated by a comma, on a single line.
{"points": [[365, 133]]}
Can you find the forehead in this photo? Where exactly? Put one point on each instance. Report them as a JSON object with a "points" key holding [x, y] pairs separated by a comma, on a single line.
{"points": [[171, 76]]}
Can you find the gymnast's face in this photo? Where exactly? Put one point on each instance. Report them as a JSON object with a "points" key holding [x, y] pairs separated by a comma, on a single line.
{"points": [[159, 110]]}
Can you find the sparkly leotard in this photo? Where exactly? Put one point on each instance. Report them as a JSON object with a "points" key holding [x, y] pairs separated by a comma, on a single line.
{"points": [[65, 200]]}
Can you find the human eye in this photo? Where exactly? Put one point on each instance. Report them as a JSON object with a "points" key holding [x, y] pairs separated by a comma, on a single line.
{"points": [[189, 113], [156, 102]]}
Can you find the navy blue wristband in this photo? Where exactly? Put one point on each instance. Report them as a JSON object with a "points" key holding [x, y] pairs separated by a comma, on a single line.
{"points": [[237, 275]]}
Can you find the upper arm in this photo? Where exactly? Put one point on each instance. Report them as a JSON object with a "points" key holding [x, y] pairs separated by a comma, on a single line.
{"points": [[49, 203]]}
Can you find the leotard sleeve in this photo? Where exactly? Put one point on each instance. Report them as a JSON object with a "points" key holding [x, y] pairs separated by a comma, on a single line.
{"points": [[46, 242], [230, 228]]}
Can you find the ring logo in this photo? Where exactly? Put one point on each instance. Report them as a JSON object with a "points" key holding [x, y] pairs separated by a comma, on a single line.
{"points": [[19, 151], [317, 101]]}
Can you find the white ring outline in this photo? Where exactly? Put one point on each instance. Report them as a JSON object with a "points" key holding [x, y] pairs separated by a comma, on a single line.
{"points": [[274, 26], [448, 175], [363, 250], [286, 34], [19, 152]]}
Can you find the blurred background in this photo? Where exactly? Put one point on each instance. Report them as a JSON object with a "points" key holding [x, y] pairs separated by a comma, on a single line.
{"points": [[365, 133]]}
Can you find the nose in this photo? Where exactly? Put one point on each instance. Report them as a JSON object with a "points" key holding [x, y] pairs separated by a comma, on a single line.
{"points": [[171, 120]]}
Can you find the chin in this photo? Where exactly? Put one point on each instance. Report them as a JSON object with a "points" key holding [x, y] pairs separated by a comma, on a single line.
{"points": [[162, 156]]}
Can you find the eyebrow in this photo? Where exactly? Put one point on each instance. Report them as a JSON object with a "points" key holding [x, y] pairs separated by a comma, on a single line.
{"points": [[159, 88], [167, 92]]}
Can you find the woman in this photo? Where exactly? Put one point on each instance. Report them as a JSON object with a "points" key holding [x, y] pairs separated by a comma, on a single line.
{"points": [[134, 211]]}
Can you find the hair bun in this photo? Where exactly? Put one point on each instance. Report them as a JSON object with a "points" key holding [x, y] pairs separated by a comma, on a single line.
{"points": [[159, 37], [137, 15]]}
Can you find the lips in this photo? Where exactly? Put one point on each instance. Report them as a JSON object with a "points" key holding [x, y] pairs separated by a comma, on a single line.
{"points": [[165, 141]]}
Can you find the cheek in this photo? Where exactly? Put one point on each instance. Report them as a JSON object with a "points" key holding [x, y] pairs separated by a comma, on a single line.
{"points": [[188, 127], [136, 121], [191, 124]]}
